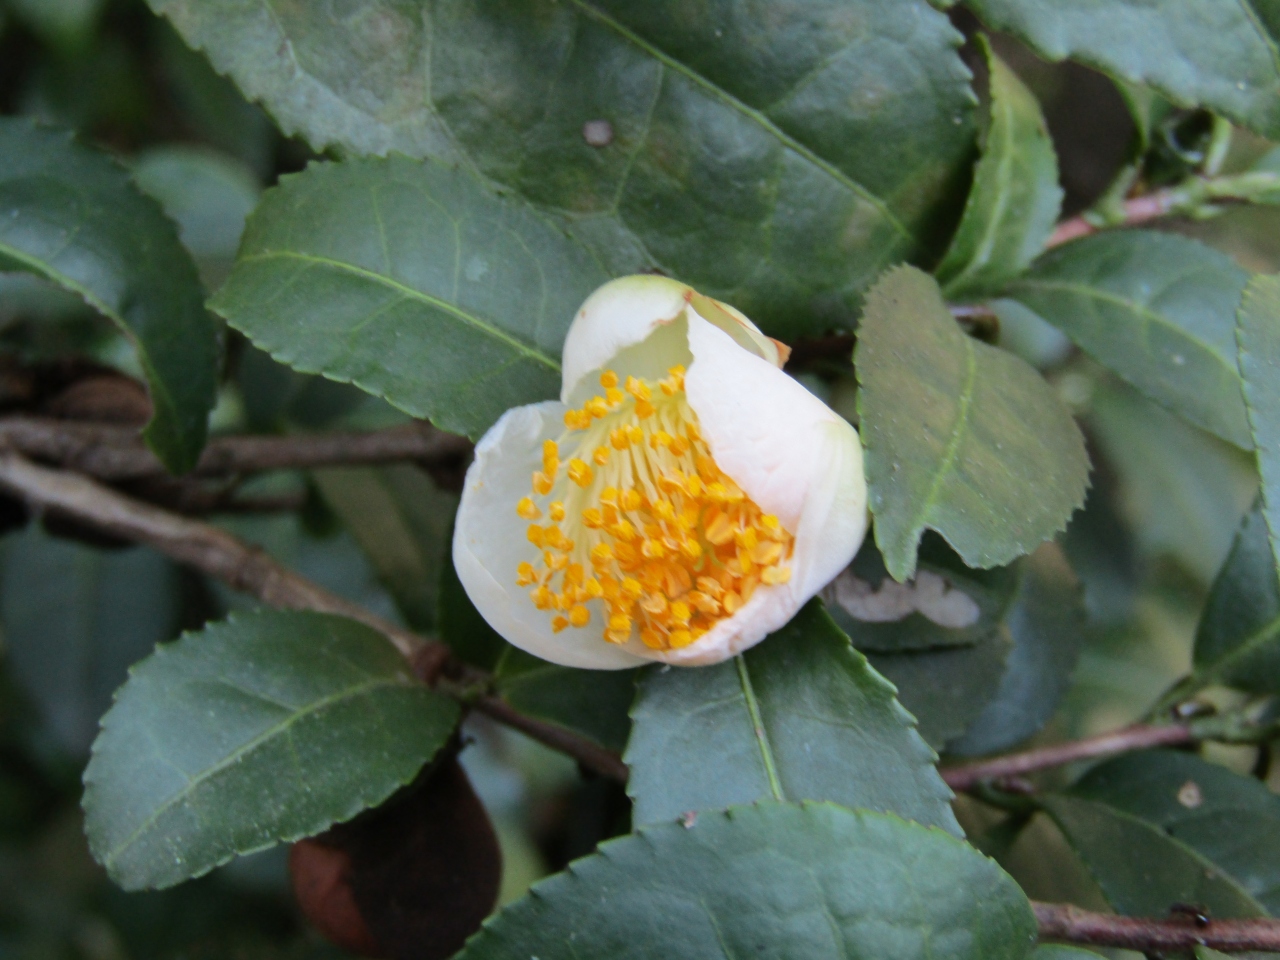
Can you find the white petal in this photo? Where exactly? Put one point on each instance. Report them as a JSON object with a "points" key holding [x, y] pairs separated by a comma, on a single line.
{"points": [[626, 312], [489, 542], [618, 315], [792, 455]]}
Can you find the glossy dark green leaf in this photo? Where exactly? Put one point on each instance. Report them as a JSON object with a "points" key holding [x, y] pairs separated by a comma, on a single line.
{"points": [[1258, 336], [1015, 198], [959, 437], [75, 619], [1157, 309], [1220, 55], [946, 689], [816, 882], [951, 605], [591, 702], [1142, 870], [1047, 624], [801, 716], [401, 520], [1230, 820], [267, 727], [777, 161], [413, 281], [73, 216]]}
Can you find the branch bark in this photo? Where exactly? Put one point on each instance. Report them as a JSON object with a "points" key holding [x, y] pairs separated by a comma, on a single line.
{"points": [[1139, 737], [250, 570], [117, 453], [1069, 924], [1149, 206]]}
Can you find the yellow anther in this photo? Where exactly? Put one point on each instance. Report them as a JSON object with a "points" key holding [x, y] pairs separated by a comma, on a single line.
{"points": [[691, 549], [732, 603], [592, 588], [556, 512], [618, 637], [601, 456], [719, 529], [601, 554], [680, 639], [542, 597], [654, 604], [747, 538], [635, 434], [638, 389], [608, 379], [597, 407], [576, 420], [537, 536], [767, 554], [775, 575], [559, 623], [680, 612], [592, 518], [644, 409], [614, 397], [631, 587], [660, 438], [525, 574], [631, 500], [652, 639], [705, 604], [579, 472], [550, 452], [653, 549], [664, 510], [573, 575], [618, 439], [625, 531], [527, 509], [542, 483], [710, 586], [609, 495], [620, 623], [679, 446], [579, 616]]}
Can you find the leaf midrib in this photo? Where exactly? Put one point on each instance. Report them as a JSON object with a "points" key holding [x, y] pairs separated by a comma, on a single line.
{"points": [[412, 294], [276, 729], [1115, 299], [758, 729], [760, 118]]}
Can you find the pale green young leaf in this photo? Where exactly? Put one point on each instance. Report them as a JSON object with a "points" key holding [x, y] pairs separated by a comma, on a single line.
{"points": [[268, 727], [1015, 198], [778, 162], [817, 882], [959, 437], [801, 716], [1157, 309]]}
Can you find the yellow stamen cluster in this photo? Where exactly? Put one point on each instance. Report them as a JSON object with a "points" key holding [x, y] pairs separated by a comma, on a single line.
{"points": [[642, 519]]}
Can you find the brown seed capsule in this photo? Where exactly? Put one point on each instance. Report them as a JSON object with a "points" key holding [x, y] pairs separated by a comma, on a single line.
{"points": [[419, 874]]}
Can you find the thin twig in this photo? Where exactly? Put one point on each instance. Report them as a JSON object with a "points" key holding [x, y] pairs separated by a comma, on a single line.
{"points": [[1140, 737], [250, 570], [116, 453], [1069, 924], [1136, 210]]}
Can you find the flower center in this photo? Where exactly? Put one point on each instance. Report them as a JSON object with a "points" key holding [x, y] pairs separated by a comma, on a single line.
{"points": [[643, 519]]}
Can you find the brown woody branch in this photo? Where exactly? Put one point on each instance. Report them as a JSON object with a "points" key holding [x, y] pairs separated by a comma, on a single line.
{"points": [[116, 453], [1139, 737], [250, 570], [1136, 210], [1069, 924]]}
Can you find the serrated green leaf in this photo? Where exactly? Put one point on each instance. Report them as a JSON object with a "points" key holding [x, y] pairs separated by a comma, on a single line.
{"points": [[270, 726], [593, 703], [817, 882], [73, 216], [1047, 624], [1238, 639], [1141, 870], [1230, 820], [959, 437], [800, 716], [777, 162], [1258, 336], [1015, 198], [413, 281], [402, 522], [75, 619], [1196, 52], [1157, 309], [946, 689]]}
